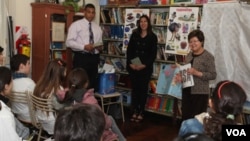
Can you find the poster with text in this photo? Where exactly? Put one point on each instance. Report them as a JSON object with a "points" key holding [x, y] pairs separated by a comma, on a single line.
{"points": [[131, 18], [182, 20]]}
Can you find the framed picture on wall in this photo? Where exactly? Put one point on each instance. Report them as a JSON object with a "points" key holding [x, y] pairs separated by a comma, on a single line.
{"points": [[58, 34]]}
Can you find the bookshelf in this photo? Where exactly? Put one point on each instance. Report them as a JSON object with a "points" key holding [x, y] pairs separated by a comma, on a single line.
{"points": [[159, 17], [49, 29]]}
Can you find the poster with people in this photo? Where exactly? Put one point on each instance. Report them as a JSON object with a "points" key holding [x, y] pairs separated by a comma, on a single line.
{"points": [[131, 18], [182, 20]]}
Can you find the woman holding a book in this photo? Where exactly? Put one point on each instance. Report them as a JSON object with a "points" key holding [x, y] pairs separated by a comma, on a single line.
{"points": [[195, 98], [141, 53]]}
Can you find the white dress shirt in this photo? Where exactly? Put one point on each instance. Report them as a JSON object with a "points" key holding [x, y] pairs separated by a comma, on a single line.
{"points": [[78, 35]]}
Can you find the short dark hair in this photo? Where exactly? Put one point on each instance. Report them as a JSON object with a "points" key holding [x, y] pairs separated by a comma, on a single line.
{"points": [[197, 33], [5, 77], [89, 5], [1, 49], [80, 122], [17, 60]]}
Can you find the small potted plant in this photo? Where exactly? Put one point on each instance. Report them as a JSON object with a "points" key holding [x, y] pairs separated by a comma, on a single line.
{"points": [[73, 3]]}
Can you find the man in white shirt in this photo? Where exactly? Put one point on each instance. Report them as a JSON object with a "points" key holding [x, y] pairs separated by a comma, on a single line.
{"points": [[82, 35]]}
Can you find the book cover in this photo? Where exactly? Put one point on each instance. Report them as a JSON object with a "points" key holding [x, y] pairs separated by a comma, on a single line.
{"points": [[103, 19], [98, 44], [160, 33], [106, 32], [111, 48], [157, 102], [164, 104], [187, 79], [136, 61], [107, 15], [182, 20], [153, 84], [166, 83], [118, 64], [171, 105], [156, 69]]}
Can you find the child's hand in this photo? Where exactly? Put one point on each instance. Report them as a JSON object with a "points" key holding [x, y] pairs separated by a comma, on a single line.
{"points": [[61, 93]]}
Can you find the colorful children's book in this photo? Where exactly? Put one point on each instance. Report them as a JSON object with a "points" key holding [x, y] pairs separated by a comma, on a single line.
{"points": [[166, 83]]}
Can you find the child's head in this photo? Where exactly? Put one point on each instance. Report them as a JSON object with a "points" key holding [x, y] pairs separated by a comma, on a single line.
{"points": [[228, 98], [1, 56], [53, 76], [227, 102], [1, 50], [83, 122], [20, 63], [5, 80], [78, 78]]}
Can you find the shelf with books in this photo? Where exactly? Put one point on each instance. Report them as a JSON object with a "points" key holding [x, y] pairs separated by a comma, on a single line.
{"points": [[164, 105], [161, 18]]}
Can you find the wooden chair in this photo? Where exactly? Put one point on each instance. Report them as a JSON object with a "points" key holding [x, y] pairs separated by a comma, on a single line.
{"points": [[36, 103]]}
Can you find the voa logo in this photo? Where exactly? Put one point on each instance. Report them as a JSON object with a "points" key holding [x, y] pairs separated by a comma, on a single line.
{"points": [[236, 132]]}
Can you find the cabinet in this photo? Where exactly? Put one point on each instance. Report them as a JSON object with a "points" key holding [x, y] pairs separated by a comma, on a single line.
{"points": [[49, 29], [113, 18]]}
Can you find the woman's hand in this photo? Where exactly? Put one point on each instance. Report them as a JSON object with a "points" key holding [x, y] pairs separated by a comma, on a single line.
{"points": [[137, 67], [195, 72], [140, 67]]}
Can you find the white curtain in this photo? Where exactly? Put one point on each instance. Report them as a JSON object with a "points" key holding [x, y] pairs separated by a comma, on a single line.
{"points": [[227, 37], [4, 27]]}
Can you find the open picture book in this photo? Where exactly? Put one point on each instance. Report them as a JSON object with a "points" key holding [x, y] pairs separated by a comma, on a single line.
{"points": [[167, 83]]}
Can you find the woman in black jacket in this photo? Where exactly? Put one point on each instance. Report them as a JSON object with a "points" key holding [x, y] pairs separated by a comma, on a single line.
{"points": [[142, 46]]}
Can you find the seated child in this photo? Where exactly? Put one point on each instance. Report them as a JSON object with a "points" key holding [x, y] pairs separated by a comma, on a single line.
{"points": [[10, 129], [226, 103], [20, 67], [77, 93], [50, 81]]}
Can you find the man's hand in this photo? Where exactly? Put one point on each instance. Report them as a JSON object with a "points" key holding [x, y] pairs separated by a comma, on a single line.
{"points": [[99, 48], [89, 47]]}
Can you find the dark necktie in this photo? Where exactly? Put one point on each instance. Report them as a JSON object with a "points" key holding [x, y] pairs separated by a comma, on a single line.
{"points": [[91, 35]]}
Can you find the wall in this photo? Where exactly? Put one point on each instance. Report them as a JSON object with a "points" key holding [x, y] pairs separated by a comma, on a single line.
{"points": [[20, 10]]}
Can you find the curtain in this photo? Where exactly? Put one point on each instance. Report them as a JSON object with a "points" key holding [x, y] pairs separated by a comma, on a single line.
{"points": [[4, 27], [227, 32]]}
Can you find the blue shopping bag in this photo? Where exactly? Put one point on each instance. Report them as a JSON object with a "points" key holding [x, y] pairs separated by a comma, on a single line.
{"points": [[106, 83]]}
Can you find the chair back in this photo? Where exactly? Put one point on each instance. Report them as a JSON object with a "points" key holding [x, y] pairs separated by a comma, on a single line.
{"points": [[21, 97], [37, 103]]}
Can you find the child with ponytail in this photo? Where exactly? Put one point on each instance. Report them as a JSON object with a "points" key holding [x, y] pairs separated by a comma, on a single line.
{"points": [[226, 103]]}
